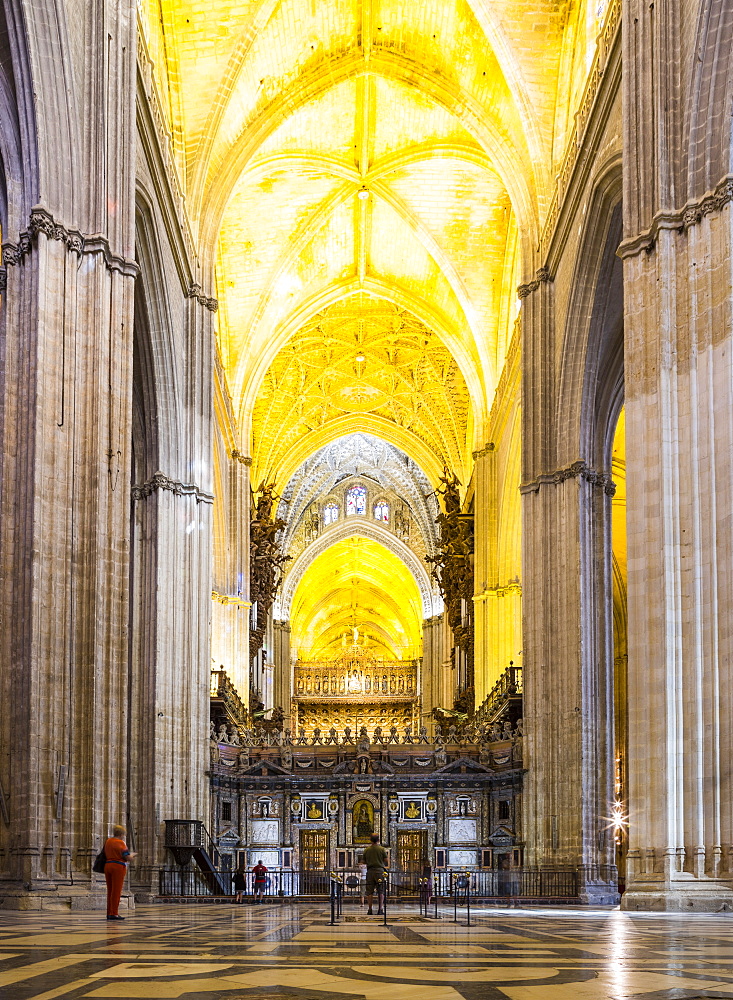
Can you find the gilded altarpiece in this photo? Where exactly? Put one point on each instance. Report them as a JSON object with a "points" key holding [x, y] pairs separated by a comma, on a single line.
{"points": [[354, 692]]}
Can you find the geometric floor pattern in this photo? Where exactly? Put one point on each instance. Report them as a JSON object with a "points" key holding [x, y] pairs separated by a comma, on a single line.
{"points": [[289, 952]]}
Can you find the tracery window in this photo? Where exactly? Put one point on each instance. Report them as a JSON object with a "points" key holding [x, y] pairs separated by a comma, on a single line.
{"points": [[356, 500], [381, 510], [330, 513]]}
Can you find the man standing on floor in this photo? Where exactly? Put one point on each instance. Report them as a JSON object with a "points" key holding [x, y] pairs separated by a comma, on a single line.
{"points": [[260, 873], [375, 858]]}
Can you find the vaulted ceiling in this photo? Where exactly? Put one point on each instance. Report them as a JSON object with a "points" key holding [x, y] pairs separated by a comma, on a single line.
{"points": [[366, 182], [357, 582], [399, 155]]}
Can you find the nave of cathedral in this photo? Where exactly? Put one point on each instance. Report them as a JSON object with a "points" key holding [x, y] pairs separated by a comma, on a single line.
{"points": [[366, 454]]}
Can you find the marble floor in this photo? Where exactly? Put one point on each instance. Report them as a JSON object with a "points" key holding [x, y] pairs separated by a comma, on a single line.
{"points": [[226, 952]]}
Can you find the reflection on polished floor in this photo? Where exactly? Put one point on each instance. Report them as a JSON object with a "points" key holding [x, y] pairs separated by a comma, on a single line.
{"points": [[289, 952]]}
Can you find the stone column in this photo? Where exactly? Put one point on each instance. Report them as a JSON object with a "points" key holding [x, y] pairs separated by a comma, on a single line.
{"points": [[170, 656], [438, 684], [497, 601], [485, 574], [567, 637], [679, 398], [679, 388], [283, 671], [65, 378]]}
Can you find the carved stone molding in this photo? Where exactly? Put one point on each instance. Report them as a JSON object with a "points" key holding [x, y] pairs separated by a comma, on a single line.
{"points": [[161, 482], [487, 450], [41, 221], [195, 291], [230, 600], [510, 588], [239, 457], [542, 275], [3, 279], [680, 220], [578, 470]]}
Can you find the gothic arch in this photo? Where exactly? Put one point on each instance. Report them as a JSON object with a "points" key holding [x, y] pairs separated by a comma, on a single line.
{"points": [[155, 338], [53, 171], [361, 527], [591, 370], [710, 103], [18, 166]]}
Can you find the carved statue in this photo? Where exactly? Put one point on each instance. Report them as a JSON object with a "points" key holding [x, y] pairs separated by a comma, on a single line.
{"points": [[452, 570], [441, 757], [266, 561]]}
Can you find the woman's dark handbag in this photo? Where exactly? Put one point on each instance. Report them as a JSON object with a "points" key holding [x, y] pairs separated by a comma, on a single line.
{"points": [[99, 862]]}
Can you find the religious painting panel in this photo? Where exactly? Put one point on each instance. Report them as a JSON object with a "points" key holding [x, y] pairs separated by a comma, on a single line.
{"points": [[315, 809], [413, 810], [363, 821]]}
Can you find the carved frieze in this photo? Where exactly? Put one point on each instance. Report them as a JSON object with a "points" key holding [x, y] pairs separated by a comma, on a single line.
{"points": [[42, 222], [578, 470], [162, 482]]}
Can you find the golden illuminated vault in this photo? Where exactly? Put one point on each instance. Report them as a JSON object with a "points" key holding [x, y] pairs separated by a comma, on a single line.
{"points": [[356, 583], [365, 176]]}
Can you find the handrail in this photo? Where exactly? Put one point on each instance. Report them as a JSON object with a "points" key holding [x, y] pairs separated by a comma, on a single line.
{"points": [[183, 834], [508, 685], [513, 883]]}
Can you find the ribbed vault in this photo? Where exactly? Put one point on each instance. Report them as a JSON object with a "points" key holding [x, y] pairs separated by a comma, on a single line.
{"points": [[366, 150], [360, 356], [356, 583]]}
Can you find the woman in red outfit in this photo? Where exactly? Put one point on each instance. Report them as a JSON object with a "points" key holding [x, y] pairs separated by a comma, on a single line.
{"points": [[117, 855]]}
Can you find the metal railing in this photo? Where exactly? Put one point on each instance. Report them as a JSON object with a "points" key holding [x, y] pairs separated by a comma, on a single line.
{"points": [[182, 835], [509, 685], [516, 883]]}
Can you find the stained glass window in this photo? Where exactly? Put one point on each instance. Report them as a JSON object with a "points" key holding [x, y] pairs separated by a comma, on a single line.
{"points": [[356, 500], [381, 510], [330, 513]]}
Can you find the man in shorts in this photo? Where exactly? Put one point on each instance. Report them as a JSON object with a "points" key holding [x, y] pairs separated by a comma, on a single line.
{"points": [[375, 858], [260, 873]]}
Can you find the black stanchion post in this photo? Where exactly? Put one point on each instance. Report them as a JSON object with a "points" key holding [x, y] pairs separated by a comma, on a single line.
{"points": [[383, 883], [335, 900], [468, 898], [455, 897]]}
